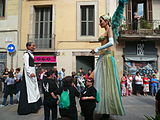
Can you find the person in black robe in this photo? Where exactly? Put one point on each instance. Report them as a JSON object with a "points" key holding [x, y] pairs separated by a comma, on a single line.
{"points": [[30, 100]]}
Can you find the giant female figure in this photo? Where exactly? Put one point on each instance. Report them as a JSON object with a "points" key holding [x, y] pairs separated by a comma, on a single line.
{"points": [[106, 74]]}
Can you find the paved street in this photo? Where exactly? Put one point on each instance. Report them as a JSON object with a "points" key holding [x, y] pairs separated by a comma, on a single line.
{"points": [[135, 107]]}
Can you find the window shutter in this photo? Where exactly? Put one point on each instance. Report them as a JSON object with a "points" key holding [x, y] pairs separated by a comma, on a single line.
{"points": [[149, 10], [129, 14]]}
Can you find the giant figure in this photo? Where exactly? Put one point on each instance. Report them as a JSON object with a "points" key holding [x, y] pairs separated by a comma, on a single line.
{"points": [[106, 73], [30, 100]]}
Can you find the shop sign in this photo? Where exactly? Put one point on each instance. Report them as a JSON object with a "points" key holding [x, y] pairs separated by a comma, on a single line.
{"points": [[44, 59], [140, 49]]}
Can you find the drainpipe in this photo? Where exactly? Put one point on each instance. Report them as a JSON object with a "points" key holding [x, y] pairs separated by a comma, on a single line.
{"points": [[19, 28]]}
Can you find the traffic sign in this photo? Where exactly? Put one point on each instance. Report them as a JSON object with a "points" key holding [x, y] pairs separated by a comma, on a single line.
{"points": [[11, 48]]}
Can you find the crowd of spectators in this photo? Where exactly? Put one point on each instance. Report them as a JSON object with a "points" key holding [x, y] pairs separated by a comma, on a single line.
{"points": [[51, 84], [11, 80], [78, 85], [140, 85]]}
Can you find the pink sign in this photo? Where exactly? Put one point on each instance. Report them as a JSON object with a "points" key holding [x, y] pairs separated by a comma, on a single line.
{"points": [[45, 59]]}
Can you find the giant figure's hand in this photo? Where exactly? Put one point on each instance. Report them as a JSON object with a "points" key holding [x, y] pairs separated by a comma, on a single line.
{"points": [[92, 51], [32, 75]]}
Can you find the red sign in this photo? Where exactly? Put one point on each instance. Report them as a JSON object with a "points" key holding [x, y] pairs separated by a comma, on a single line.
{"points": [[45, 59]]}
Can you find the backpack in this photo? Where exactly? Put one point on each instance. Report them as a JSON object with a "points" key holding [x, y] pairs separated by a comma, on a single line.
{"points": [[64, 101], [97, 97]]}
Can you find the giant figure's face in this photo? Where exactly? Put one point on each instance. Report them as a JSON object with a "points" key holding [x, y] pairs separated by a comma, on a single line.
{"points": [[103, 23], [32, 47]]}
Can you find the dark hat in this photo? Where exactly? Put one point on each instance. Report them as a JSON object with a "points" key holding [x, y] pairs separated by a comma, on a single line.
{"points": [[90, 79]]}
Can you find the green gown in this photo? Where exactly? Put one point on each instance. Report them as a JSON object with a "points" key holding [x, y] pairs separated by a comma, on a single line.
{"points": [[108, 85]]}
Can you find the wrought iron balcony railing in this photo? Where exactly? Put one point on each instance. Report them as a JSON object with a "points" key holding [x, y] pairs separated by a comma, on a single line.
{"points": [[43, 41], [142, 27]]}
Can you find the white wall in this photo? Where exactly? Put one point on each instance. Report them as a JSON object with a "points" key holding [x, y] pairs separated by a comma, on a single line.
{"points": [[111, 6], [156, 12], [65, 61], [11, 23]]}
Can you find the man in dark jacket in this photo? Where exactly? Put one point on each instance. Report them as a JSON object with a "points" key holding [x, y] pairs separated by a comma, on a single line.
{"points": [[49, 88]]}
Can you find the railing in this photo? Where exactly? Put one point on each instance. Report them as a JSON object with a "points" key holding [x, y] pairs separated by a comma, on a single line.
{"points": [[42, 41], [142, 27]]}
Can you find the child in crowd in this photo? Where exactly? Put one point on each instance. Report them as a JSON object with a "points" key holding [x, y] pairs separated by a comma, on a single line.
{"points": [[154, 84], [68, 85], [123, 84], [145, 85], [88, 99], [81, 82], [50, 89], [129, 85], [18, 77]]}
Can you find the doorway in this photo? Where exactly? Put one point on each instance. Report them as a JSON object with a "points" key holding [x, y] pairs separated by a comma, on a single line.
{"points": [[85, 62]]}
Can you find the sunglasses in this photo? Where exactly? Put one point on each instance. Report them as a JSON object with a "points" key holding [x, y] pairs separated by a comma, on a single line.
{"points": [[88, 81]]}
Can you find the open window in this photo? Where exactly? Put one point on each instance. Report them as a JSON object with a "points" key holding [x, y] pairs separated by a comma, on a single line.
{"points": [[143, 9]]}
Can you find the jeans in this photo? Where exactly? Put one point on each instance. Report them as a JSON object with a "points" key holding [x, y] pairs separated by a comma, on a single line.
{"points": [[5, 100], [154, 90]]}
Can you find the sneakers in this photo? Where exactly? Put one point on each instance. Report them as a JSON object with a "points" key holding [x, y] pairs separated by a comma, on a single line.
{"points": [[1, 106]]}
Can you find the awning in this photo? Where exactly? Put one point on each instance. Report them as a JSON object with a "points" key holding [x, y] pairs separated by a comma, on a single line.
{"points": [[141, 58]]}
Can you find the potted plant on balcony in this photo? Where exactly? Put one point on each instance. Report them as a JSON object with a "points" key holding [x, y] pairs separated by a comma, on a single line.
{"points": [[144, 24], [146, 27]]}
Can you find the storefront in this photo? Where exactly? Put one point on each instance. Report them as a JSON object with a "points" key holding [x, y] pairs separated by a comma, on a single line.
{"points": [[140, 56], [45, 60]]}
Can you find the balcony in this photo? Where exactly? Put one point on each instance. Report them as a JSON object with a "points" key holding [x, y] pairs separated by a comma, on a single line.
{"points": [[43, 41], [150, 29]]}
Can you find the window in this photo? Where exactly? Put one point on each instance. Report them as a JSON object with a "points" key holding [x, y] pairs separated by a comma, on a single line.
{"points": [[43, 27], [140, 9], [87, 21], [2, 8]]}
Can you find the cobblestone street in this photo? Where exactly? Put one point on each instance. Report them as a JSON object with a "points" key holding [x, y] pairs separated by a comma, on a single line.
{"points": [[135, 107]]}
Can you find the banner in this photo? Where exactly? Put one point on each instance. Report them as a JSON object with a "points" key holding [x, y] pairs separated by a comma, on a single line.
{"points": [[131, 67], [45, 59]]}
